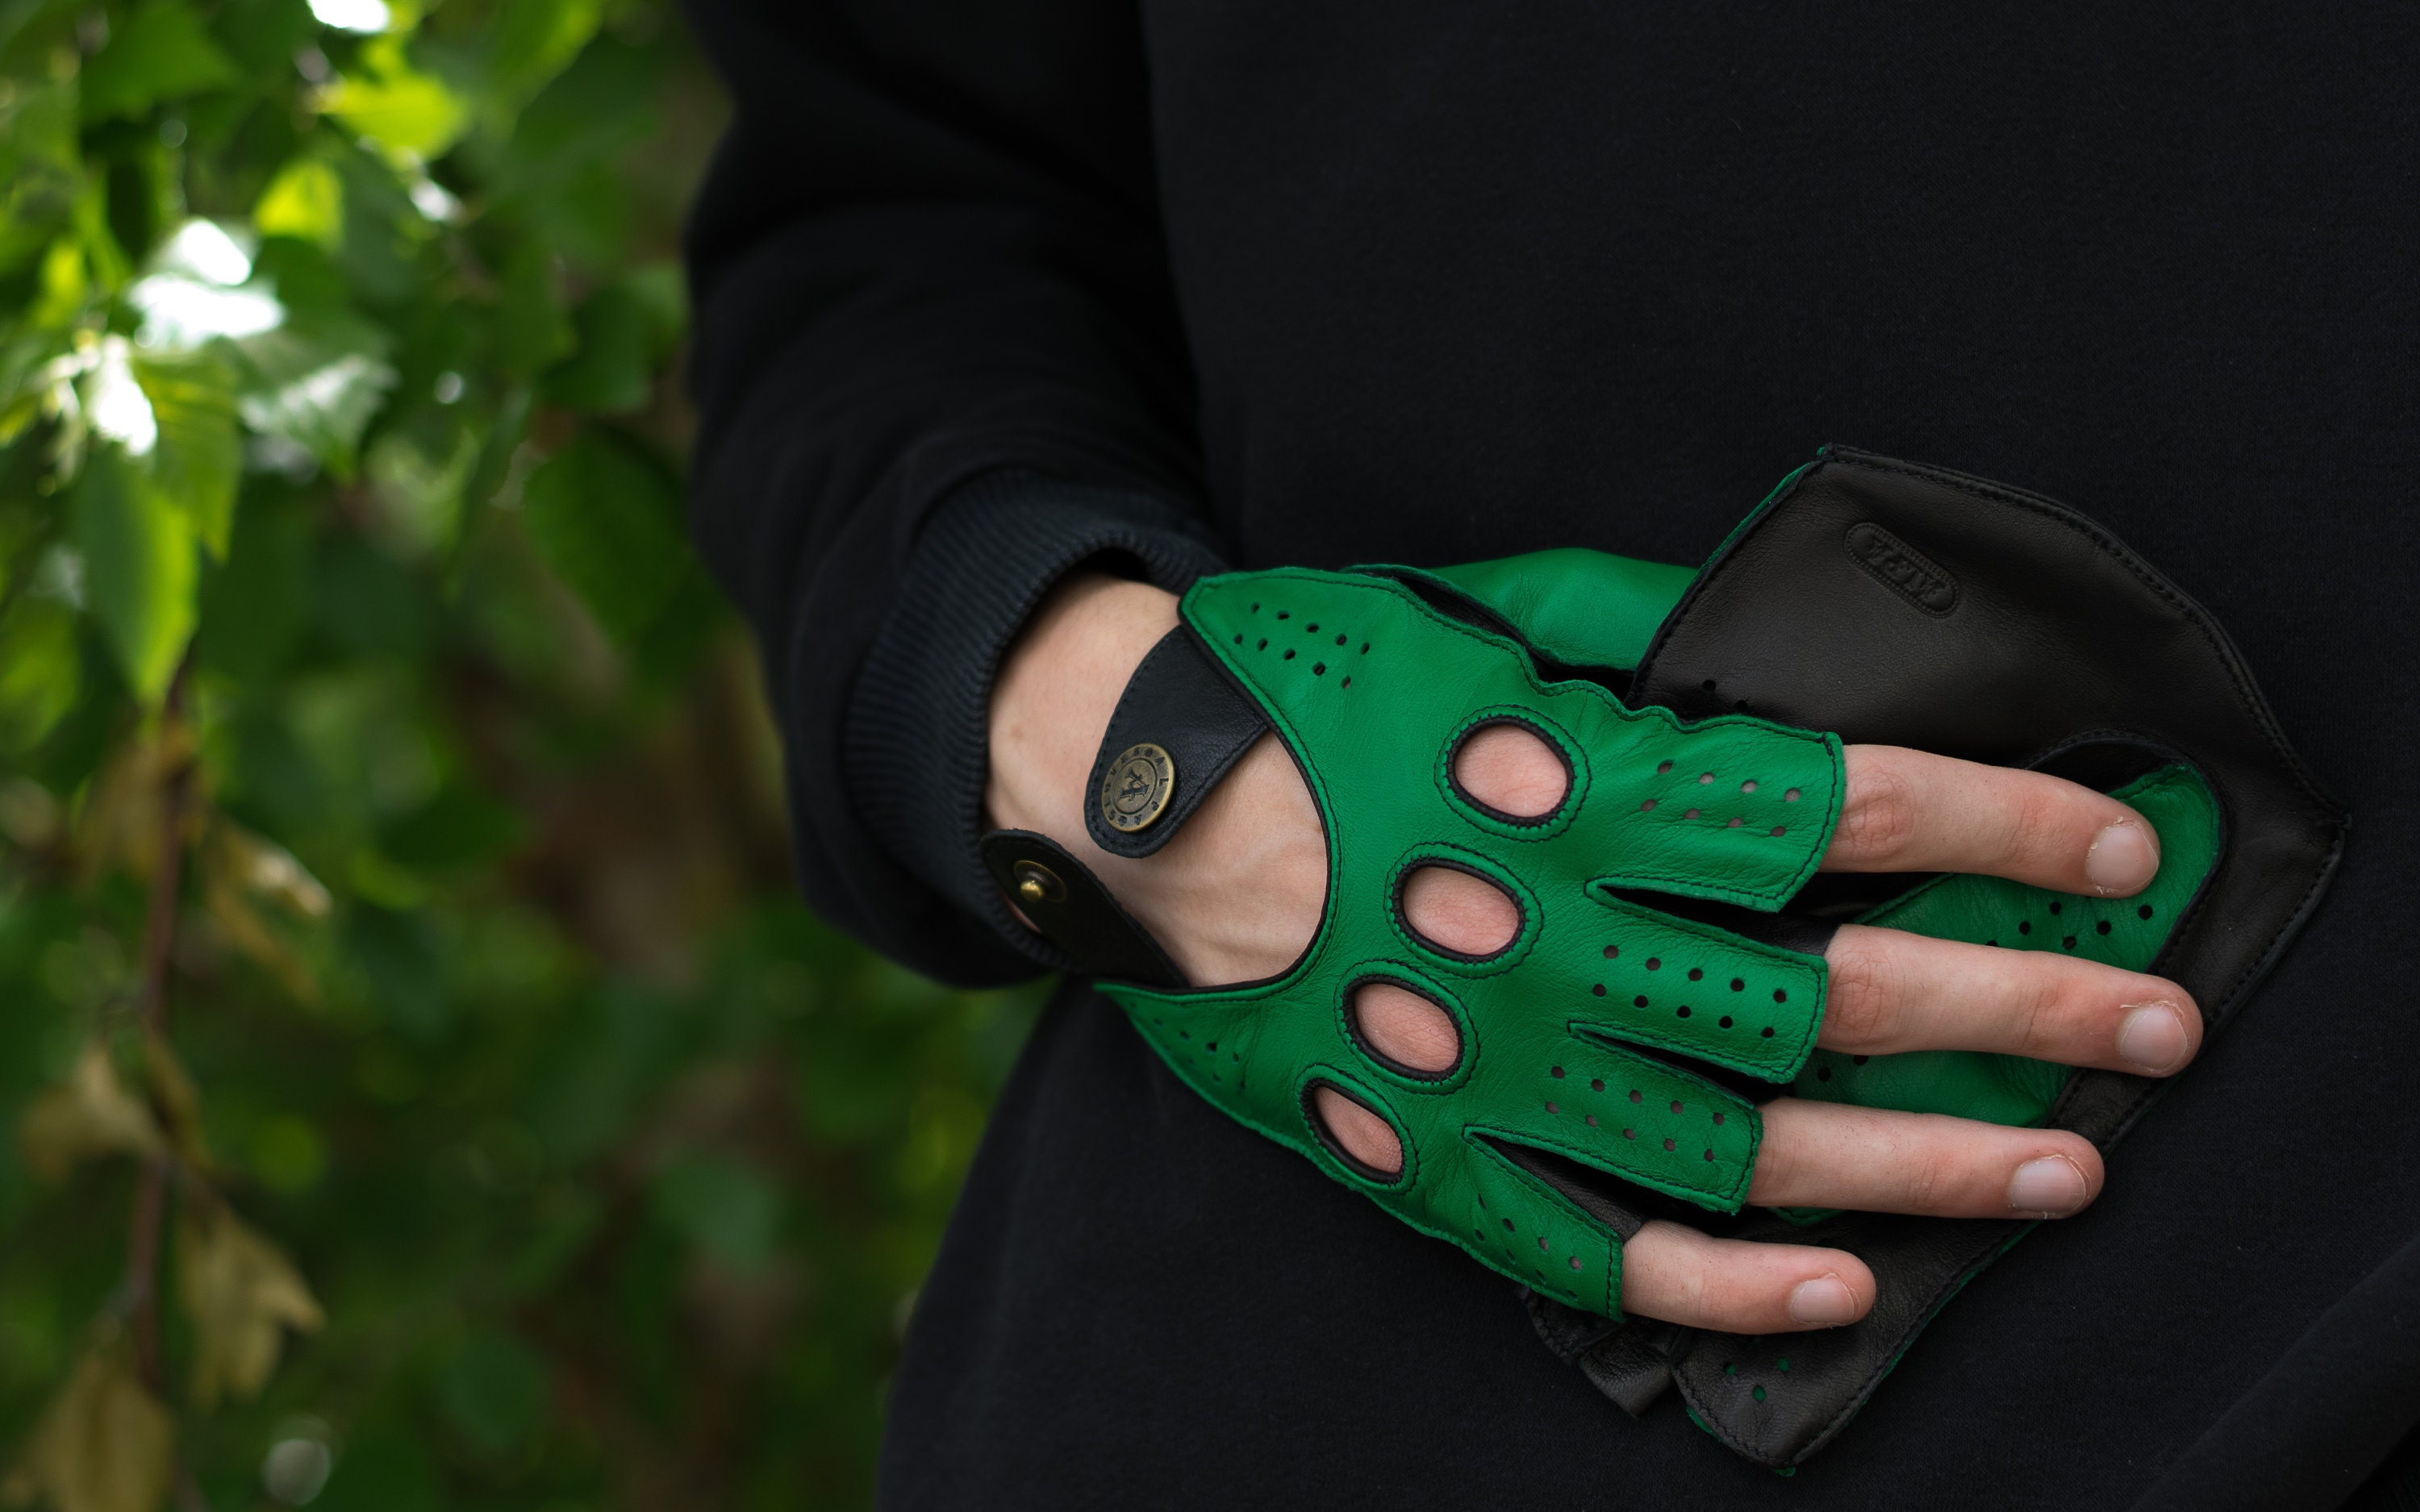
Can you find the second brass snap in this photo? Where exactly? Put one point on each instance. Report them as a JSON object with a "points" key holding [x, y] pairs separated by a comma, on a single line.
{"points": [[1038, 883]]}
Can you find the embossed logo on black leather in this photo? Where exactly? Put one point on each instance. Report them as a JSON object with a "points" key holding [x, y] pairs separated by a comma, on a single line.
{"points": [[1902, 568], [1137, 787]]}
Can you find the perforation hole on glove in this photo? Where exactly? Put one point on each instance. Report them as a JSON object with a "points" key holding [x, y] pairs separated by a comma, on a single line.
{"points": [[1355, 1133], [1404, 1029], [1456, 912], [1508, 770]]}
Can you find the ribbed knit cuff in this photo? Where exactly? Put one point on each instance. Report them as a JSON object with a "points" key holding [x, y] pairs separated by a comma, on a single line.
{"points": [[916, 746]]}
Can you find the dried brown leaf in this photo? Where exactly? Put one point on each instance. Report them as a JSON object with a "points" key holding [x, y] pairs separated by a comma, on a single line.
{"points": [[89, 1113], [238, 865], [270, 870], [118, 825], [242, 1294], [173, 1092], [104, 1444]]}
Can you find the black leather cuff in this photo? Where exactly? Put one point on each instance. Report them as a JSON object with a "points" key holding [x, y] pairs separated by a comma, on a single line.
{"points": [[1179, 726], [1071, 909], [1178, 729]]}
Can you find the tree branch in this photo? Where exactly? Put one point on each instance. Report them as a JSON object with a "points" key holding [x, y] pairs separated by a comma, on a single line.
{"points": [[176, 780]]}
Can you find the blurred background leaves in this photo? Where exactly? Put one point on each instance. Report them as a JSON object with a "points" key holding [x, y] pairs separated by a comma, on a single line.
{"points": [[423, 1090]]}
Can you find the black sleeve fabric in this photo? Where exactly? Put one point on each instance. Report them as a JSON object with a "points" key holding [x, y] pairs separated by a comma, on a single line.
{"points": [[927, 255], [915, 744]]}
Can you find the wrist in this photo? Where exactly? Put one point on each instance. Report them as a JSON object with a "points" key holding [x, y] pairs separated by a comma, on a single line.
{"points": [[1236, 894], [1057, 688]]}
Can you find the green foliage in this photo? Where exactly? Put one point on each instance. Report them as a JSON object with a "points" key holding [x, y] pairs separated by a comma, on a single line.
{"points": [[157, 50], [423, 1090]]}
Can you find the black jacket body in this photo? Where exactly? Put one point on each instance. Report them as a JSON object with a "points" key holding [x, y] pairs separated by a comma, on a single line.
{"points": [[988, 288]]}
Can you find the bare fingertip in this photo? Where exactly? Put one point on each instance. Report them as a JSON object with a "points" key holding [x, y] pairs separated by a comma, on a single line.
{"points": [[2152, 1037], [1825, 1302], [2049, 1186], [2123, 859]]}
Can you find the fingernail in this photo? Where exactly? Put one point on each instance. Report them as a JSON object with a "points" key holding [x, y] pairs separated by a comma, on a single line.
{"points": [[2050, 1187], [2152, 1039], [1825, 1302], [2124, 858]]}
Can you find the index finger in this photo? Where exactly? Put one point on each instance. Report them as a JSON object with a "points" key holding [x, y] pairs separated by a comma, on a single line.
{"points": [[1910, 810]]}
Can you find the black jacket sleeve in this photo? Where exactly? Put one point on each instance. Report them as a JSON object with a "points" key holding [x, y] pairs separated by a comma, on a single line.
{"points": [[938, 365]]}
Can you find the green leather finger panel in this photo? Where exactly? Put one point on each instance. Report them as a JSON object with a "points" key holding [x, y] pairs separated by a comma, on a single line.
{"points": [[1583, 608], [1625, 1114], [1519, 1230], [1686, 987], [2127, 932]]}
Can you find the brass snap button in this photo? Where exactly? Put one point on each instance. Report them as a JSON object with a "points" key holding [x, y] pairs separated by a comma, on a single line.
{"points": [[1136, 789], [1038, 883]]}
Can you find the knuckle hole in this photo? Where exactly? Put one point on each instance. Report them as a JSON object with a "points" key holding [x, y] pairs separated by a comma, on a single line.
{"points": [[1405, 1030], [1356, 1132], [1510, 772], [1459, 913]]}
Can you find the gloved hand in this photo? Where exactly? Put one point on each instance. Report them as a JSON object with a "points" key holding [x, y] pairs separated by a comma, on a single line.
{"points": [[1956, 632], [1611, 1037], [1374, 688]]}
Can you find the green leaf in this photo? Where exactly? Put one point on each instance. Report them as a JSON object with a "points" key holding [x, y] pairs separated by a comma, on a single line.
{"points": [[730, 1211], [600, 105], [90, 217], [531, 331], [386, 1468], [315, 384], [262, 35], [404, 961], [305, 201], [605, 517], [661, 289], [61, 287], [41, 670], [610, 372], [158, 52], [534, 41], [200, 452], [38, 126], [41, 170], [140, 567], [396, 106], [254, 607], [492, 1389]]}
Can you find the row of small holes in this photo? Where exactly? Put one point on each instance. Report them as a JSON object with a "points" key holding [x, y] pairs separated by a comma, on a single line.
{"points": [[1613, 952], [1573, 1261], [1706, 778], [1211, 1047], [2026, 926], [1318, 668], [1597, 1085]]}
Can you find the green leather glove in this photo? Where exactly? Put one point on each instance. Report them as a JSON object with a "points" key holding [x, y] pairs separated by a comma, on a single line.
{"points": [[1372, 681], [1577, 1037], [1654, 992]]}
